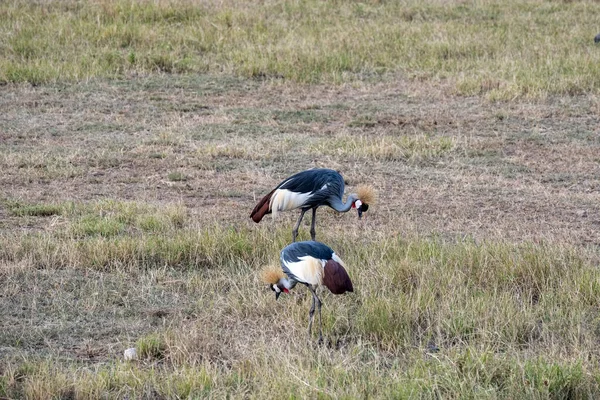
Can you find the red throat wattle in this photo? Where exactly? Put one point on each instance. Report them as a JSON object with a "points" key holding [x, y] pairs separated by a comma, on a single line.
{"points": [[285, 290]]}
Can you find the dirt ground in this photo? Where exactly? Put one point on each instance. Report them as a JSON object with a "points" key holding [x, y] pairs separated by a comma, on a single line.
{"points": [[511, 171]]}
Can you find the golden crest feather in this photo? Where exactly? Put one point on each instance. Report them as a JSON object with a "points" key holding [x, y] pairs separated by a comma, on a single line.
{"points": [[271, 274], [366, 194]]}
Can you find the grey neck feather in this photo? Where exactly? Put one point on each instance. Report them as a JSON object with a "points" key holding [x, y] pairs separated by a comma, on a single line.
{"points": [[287, 283], [337, 204]]}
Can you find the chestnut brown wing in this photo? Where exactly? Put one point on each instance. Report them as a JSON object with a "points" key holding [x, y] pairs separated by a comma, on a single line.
{"points": [[336, 279]]}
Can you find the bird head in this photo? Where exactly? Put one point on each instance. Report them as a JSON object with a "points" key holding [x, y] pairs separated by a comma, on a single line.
{"points": [[274, 277], [278, 289], [360, 207], [365, 196]]}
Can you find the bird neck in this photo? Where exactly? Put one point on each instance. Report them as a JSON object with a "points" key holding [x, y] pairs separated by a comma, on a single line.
{"points": [[287, 283], [337, 204]]}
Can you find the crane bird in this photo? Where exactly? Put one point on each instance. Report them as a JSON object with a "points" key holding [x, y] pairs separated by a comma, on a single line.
{"points": [[312, 264], [308, 190]]}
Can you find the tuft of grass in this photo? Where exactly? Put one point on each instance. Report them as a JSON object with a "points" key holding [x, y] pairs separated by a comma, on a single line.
{"points": [[177, 177], [401, 148], [158, 156], [151, 347], [36, 210], [93, 225]]}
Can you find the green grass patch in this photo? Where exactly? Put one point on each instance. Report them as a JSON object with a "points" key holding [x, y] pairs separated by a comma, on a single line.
{"points": [[92, 225], [177, 177], [109, 235], [151, 347], [36, 210]]}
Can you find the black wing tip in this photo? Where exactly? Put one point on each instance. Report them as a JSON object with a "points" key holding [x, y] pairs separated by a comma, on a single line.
{"points": [[349, 287]]}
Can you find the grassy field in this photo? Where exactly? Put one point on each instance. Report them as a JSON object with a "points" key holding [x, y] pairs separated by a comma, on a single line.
{"points": [[501, 49], [136, 137]]}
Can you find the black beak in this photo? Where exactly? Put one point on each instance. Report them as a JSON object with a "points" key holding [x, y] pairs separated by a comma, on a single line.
{"points": [[359, 213], [277, 295]]}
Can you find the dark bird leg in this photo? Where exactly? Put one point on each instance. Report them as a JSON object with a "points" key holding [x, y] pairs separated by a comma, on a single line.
{"points": [[320, 321], [311, 313], [313, 232], [295, 231]]}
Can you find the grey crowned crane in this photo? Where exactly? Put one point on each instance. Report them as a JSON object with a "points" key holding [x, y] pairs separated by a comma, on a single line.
{"points": [[308, 190], [312, 264]]}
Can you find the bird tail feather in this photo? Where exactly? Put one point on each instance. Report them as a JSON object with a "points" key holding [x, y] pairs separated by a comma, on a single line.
{"points": [[262, 208]]}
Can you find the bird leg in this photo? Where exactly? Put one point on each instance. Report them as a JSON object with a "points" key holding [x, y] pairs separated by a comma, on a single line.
{"points": [[295, 231], [313, 232], [320, 320], [311, 313]]}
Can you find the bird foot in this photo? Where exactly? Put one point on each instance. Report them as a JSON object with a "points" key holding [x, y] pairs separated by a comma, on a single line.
{"points": [[319, 342]]}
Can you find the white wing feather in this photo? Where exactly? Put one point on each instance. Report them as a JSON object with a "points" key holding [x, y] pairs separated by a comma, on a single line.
{"points": [[338, 260], [284, 200], [307, 270]]}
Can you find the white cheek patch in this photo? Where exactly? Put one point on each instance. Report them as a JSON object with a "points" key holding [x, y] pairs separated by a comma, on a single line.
{"points": [[276, 288], [358, 203]]}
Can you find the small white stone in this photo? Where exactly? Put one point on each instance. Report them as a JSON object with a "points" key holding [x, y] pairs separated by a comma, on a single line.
{"points": [[130, 354]]}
